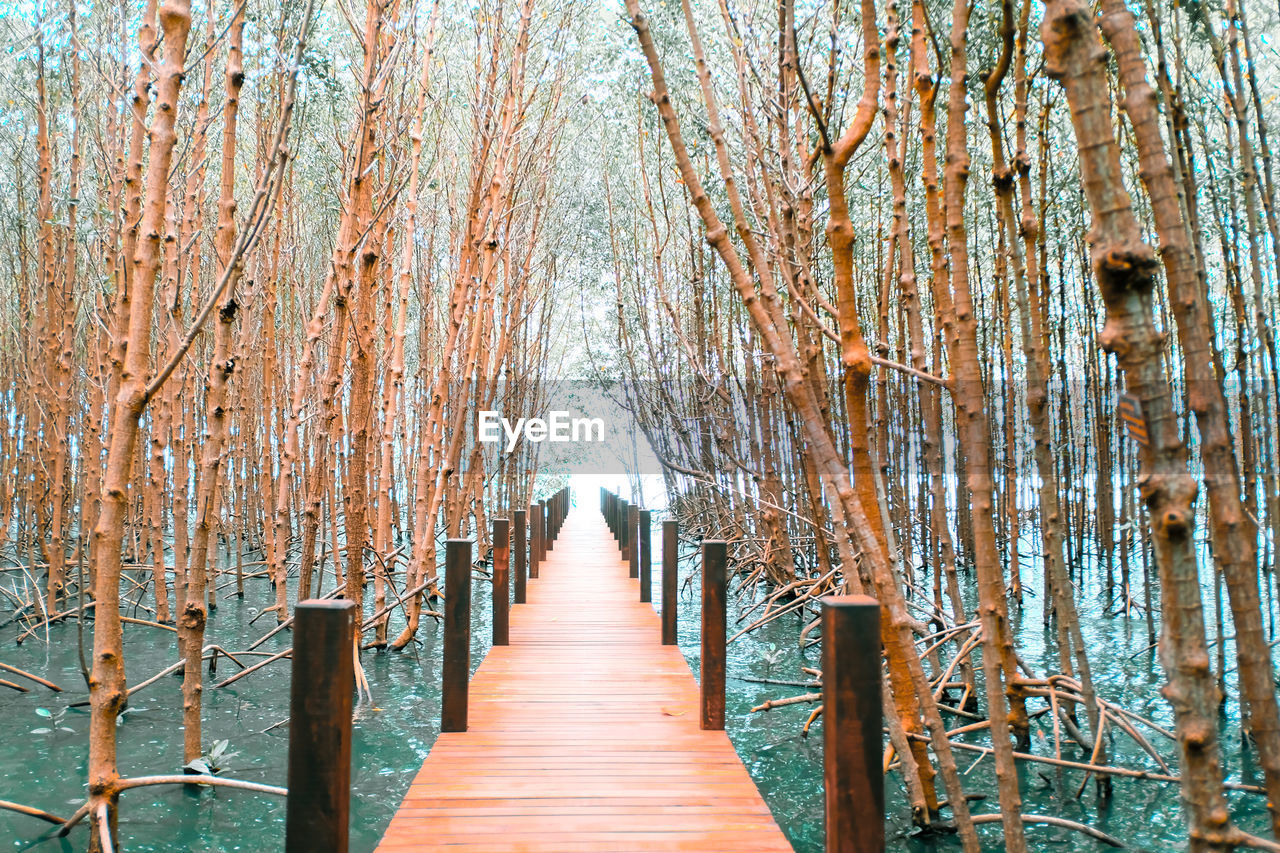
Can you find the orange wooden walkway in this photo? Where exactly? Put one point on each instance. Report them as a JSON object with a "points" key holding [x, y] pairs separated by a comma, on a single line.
{"points": [[583, 733]]}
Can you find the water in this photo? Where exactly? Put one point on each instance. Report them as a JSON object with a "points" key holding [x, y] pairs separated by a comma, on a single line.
{"points": [[1145, 815], [392, 737]]}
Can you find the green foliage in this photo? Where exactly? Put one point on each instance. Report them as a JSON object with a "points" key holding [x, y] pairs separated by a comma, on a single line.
{"points": [[212, 762], [55, 722], [771, 657]]}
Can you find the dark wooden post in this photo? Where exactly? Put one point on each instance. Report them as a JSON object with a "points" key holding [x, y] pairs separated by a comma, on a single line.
{"points": [[501, 581], [319, 806], [646, 556], [669, 583], [520, 546], [714, 604], [549, 525], [633, 545], [535, 538], [852, 718], [624, 511], [546, 533], [457, 635]]}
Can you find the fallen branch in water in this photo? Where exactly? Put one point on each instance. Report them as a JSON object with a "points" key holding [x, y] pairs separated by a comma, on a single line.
{"points": [[174, 668], [334, 593], [368, 623], [200, 779], [792, 700], [817, 588], [1054, 821], [89, 606], [173, 779], [37, 679], [1105, 770], [776, 681], [31, 811], [259, 665]]}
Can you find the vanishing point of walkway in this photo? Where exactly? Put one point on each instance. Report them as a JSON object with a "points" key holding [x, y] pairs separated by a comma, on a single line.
{"points": [[583, 732]]}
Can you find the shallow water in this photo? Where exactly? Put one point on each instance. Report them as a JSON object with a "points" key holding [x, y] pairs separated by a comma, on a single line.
{"points": [[389, 740], [392, 738], [1145, 815]]}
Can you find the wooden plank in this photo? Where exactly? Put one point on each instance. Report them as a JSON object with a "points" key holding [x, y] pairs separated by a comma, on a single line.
{"points": [[583, 734]]}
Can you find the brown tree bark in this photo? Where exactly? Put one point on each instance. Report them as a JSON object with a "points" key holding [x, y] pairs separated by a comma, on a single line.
{"points": [[1234, 531], [1124, 267], [107, 691], [1006, 707], [194, 614]]}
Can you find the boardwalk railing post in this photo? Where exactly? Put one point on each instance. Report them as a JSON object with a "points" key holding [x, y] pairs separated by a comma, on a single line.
{"points": [[548, 524], [457, 635], [714, 604], [501, 581], [620, 529], [520, 550], [560, 512], [624, 512], [646, 556], [549, 539], [544, 510], [633, 545], [535, 538], [852, 719], [319, 805], [669, 583]]}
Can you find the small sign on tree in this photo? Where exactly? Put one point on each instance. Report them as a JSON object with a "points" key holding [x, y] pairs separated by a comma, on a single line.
{"points": [[1135, 423]]}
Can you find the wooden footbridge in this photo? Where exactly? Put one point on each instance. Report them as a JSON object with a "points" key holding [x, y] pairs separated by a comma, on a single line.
{"points": [[584, 729], [583, 733]]}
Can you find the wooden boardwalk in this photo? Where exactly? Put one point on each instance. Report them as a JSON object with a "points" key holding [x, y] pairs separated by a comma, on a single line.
{"points": [[583, 732]]}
